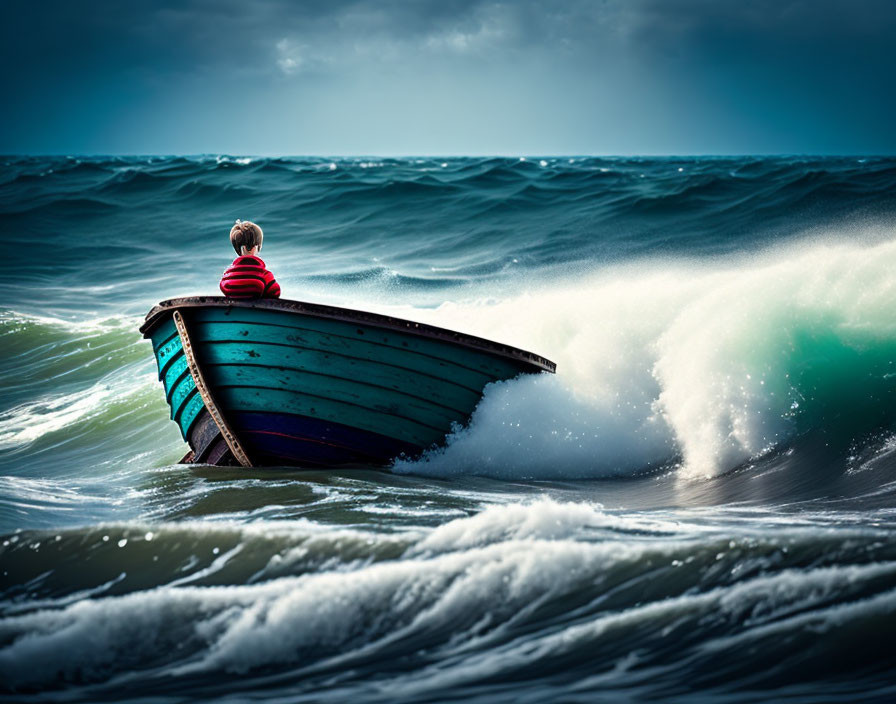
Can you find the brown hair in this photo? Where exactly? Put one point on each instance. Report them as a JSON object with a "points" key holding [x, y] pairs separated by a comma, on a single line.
{"points": [[245, 234]]}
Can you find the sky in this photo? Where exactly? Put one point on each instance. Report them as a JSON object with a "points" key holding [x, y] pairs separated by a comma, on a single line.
{"points": [[448, 77]]}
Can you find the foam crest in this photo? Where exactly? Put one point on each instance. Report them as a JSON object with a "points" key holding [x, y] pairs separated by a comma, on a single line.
{"points": [[787, 605], [543, 519], [23, 424], [707, 362], [16, 322], [303, 619], [384, 609], [463, 587]]}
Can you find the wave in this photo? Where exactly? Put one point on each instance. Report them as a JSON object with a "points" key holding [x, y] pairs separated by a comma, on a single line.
{"points": [[474, 216], [634, 186], [709, 366], [82, 391], [519, 592]]}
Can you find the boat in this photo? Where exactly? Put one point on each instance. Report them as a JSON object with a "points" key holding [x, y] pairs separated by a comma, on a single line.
{"points": [[274, 382]]}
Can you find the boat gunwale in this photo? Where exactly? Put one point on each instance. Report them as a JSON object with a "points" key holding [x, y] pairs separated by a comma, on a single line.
{"points": [[315, 310]]}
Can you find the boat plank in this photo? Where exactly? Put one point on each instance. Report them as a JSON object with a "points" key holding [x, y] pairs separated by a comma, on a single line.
{"points": [[163, 334], [398, 362], [174, 374], [475, 360], [180, 394], [203, 436], [167, 354], [370, 447], [288, 450], [189, 414], [236, 399], [440, 391], [356, 391]]}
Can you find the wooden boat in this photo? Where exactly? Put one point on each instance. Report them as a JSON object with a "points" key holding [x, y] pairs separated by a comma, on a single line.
{"points": [[272, 382]]}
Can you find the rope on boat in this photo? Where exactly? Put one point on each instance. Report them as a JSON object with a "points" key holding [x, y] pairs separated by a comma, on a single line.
{"points": [[232, 442]]}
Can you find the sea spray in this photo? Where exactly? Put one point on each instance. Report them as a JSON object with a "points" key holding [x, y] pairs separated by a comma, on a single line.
{"points": [[660, 361]]}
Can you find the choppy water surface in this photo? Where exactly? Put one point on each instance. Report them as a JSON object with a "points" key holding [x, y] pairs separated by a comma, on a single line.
{"points": [[699, 505]]}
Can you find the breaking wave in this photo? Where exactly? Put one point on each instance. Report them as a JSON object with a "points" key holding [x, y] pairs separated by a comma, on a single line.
{"points": [[517, 592], [704, 363]]}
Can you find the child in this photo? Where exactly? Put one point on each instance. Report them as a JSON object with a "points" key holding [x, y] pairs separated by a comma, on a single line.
{"points": [[247, 277]]}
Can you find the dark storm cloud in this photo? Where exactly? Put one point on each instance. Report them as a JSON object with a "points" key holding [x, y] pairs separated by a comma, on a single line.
{"points": [[203, 34], [197, 33], [761, 67]]}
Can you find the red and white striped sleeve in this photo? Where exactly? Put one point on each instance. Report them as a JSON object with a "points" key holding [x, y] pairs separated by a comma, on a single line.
{"points": [[271, 287]]}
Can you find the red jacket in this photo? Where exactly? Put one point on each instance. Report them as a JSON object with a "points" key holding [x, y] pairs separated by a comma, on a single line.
{"points": [[247, 277]]}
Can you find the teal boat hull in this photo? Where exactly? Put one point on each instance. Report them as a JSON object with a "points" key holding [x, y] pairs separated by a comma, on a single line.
{"points": [[318, 386]]}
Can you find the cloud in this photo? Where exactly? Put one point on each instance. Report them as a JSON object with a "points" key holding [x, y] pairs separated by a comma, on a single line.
{"points": [[482, 35], [195, 34], [763, 71], [288, 57]]}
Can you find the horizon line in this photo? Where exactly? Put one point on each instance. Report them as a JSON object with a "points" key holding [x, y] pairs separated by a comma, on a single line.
{"points": [[520, 156]]}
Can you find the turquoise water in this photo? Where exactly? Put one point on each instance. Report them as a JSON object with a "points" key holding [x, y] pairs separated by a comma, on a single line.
{"points": [[699, 505]]}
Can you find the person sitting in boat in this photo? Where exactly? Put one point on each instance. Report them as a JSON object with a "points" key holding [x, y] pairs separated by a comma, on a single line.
{"points": [[248, 277]]}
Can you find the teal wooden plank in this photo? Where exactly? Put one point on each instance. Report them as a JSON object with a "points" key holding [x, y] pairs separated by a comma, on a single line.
{"points": [[441, 391], [163, 333], [174, 374], [277, 401], [180, 394], [189, 414], [493, 366], [396, 358], [180, 389], [167, 353], [356, 392]]}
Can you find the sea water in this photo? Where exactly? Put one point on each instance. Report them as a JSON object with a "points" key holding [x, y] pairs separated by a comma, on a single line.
{"points": [[698, 506]]}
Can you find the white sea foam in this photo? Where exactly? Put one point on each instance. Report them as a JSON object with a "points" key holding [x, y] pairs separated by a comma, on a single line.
{"points": [[30, 421], [24, 424], [15, 321], [474, 577], [766, 601], [657, 361], [242, 160], [296, 619], [93, 340], [543, 519]]}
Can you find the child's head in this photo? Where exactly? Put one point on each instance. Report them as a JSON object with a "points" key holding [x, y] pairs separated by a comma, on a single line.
{"points": [[244, 236]]}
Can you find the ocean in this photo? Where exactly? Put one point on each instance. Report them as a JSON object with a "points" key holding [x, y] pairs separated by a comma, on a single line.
{"points": [[698, 506]]}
